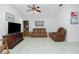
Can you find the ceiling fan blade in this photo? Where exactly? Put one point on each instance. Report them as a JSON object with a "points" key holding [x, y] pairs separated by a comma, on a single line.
{"points": [[38, 10], [34, 7], [29, 6], [29, 10]]}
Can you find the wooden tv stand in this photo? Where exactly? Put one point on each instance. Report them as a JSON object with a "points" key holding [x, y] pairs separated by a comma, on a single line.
{"points": [[13, 39]]}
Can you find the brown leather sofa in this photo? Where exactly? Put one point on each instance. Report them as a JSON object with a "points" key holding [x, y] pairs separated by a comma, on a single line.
{"points": [[38, 32], [59, 35]]}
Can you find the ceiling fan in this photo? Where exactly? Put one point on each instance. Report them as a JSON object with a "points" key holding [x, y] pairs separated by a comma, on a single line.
{"points": [[34, 9]]}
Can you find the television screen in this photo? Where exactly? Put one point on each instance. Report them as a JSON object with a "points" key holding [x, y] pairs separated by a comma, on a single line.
{"points": [[13, 27]]}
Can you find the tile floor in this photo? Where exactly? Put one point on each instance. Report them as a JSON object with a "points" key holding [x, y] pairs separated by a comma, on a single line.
{"points": [[45, 46]]}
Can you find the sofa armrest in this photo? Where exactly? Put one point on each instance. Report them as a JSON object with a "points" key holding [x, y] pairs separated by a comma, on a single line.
{"points": [[52, 34]]}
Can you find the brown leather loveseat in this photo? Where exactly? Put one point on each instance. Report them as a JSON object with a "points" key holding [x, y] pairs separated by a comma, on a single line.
{"points": [[38, 32]]}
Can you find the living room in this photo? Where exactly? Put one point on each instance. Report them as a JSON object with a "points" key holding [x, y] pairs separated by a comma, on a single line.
{"points": [[50, 19]]}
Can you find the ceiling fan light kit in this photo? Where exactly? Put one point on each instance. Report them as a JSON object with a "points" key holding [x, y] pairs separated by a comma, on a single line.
{"points": [[33, 11]]}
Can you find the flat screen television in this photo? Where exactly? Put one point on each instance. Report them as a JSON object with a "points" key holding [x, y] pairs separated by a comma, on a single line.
{"points": [[13, 27]]}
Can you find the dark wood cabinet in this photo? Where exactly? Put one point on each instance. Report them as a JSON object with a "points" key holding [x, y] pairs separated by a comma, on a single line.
{"points": [[26, 28], [13, 39]]}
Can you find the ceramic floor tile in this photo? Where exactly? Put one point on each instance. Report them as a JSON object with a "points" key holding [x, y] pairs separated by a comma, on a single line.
{"points": [[45, 46]]}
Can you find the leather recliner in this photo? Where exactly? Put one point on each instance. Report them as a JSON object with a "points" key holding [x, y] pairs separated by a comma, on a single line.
{"points": [[59, 35]]}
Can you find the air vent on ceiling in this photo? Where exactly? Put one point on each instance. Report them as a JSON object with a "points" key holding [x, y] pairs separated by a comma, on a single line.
{"points": [[60, 5]]}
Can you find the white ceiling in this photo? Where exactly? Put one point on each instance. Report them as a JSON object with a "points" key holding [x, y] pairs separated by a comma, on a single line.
{"points": [[47, 9]]}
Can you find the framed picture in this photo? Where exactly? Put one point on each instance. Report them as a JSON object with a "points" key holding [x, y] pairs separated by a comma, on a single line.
{"points": [[74, 21], [74, 18], [10, 17], [39, 23]]}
